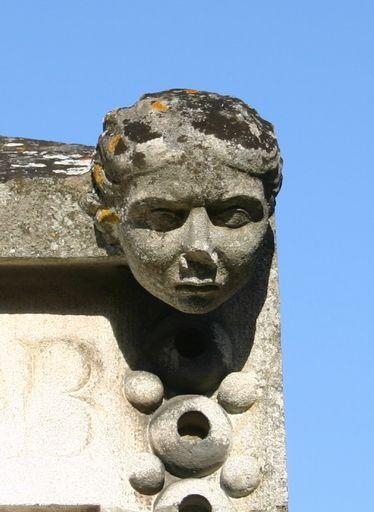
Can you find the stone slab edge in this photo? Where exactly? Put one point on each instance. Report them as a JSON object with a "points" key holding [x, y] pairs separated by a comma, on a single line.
{"points": [[45, 188]]}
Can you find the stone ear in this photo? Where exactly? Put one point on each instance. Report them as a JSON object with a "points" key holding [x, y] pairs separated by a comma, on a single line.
{"points": [[106, 230]]}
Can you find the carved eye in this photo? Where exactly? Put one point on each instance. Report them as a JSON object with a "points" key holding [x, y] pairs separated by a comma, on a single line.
{"points": [[236, 217], [231, 218], [164, 220]]}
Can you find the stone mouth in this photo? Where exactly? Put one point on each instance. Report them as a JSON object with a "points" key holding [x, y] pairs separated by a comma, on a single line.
{"points": [[197, 287]]}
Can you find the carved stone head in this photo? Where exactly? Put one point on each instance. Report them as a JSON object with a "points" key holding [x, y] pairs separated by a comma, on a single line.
{"points": [[187, 182]]}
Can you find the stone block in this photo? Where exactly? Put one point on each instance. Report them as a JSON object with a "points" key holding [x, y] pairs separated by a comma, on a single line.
{"points": [[131, 381]]}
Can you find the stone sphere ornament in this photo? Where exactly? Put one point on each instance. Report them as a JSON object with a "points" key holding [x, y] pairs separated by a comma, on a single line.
{"points": [[146, 473], [238, 392], [187, 182], [144, 391], [240, 476]]}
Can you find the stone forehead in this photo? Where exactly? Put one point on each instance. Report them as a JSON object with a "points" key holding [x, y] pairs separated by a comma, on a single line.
{"points": [[180, 124]]}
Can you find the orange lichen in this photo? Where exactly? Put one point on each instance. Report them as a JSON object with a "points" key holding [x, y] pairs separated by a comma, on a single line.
{"points": [[107, 215], [114, 141], [85, 158], [159, 106], [98, 174], [191, 91]]}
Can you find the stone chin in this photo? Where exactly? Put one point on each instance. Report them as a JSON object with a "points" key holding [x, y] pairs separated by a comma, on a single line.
{"points": [[195, 303], [202, 300]]}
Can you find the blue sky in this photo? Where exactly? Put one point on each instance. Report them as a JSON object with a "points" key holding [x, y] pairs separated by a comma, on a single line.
{"points": [[307, 67]]}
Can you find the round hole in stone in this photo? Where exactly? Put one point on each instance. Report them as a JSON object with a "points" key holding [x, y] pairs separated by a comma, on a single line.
{"points": [[190, 342], [195, 503], [194, 425]]}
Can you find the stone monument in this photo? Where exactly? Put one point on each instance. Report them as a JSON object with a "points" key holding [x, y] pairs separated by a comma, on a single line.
{"points": [[140, 361]]}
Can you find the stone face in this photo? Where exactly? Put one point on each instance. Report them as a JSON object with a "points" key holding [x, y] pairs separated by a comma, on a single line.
{"points": [[140, 362], [188, 183]]}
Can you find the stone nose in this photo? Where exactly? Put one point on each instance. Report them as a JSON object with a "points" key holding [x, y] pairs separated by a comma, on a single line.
{"points": [[197, 265], [197, 232], [199, 259]]}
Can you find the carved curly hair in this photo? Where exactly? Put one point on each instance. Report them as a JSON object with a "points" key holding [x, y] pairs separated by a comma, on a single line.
{"points": [[171, 127]]}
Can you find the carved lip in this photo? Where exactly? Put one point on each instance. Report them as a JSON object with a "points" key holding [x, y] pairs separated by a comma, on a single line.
{"points": [[196, 287]]}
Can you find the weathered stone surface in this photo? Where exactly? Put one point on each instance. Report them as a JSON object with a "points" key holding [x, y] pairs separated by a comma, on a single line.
{"points": [[30, 158], [144, 391], [193, 495], [99, 311], [187, 182], [240, 476], [191, 434], [146, 473], [44, 190], [99, 350], [49, 508], [238, 392]]}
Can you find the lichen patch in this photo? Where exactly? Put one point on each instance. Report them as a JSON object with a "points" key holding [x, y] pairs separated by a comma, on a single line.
{"points": [[98, 174], [113, 143], [139, 132], [107, 215], [159, 106]]}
